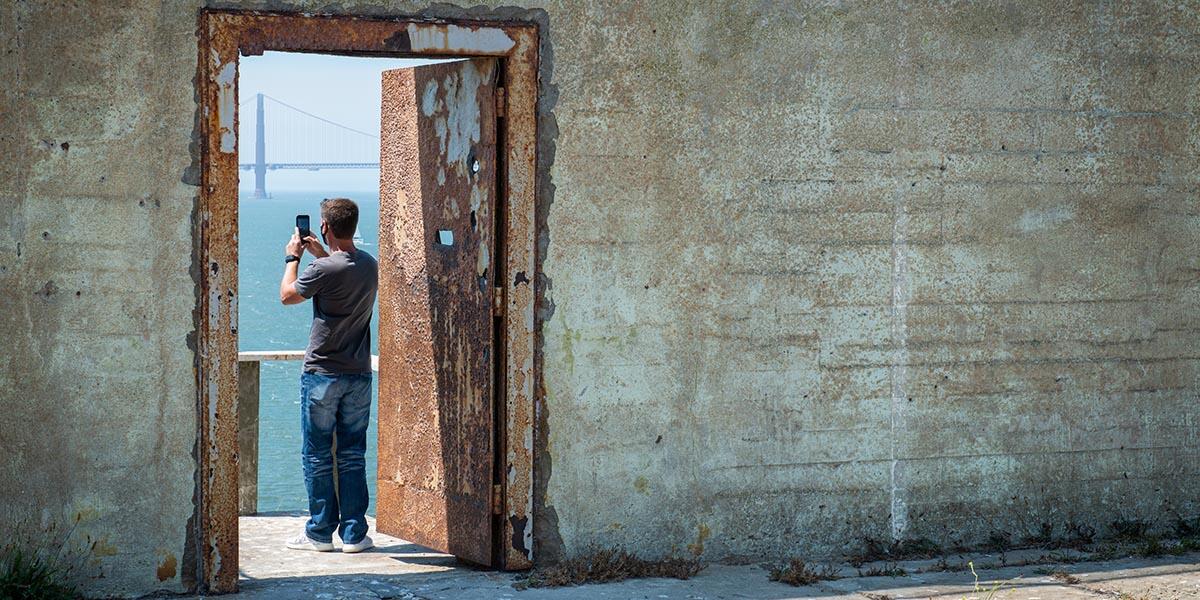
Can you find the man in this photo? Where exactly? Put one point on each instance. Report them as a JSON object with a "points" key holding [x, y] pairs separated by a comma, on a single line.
{"points": [[335, 387]]}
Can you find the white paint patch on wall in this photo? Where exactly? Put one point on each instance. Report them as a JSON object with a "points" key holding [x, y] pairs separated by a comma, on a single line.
{"points": [[439, 129], [457, 122], [429, 99], [226, 105], [463, 119], [1042, 219], [901, 294], [482, 40], [481, 264]]}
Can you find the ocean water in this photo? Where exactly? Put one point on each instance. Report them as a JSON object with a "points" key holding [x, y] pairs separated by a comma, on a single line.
{"points": [[265, 324]]}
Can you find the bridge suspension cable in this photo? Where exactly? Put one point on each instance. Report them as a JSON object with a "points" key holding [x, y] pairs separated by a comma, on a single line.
{"points": [[288, 137]]}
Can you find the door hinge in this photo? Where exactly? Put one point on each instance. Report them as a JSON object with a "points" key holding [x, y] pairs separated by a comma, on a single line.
{"points": [[497, 500], [501, 103], [497, 301]]}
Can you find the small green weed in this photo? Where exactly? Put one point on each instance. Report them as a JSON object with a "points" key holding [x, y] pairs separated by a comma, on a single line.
{"points": [[29, 576], [40, 562], [990, 591]]}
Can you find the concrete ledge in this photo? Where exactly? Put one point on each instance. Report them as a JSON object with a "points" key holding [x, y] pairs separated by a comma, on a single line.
{"points": [[264, 355], [261, 355]]}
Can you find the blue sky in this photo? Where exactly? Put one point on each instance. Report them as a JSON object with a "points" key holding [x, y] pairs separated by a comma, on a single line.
{"points": [[342, 89]]}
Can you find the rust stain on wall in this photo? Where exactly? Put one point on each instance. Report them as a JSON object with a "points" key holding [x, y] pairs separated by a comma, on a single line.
{"points": [[702, 533], [103, 547], [166, 569]]}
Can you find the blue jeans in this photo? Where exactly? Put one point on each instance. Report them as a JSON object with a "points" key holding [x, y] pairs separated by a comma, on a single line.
{"points": [[339, 403]]}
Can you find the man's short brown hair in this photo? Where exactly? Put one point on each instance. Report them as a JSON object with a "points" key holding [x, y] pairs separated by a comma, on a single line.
{"points": [[341, 214]]}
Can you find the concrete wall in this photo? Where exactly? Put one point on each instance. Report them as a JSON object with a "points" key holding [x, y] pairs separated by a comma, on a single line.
{"points": [[97, 390], [815, 272], [836, 270]]}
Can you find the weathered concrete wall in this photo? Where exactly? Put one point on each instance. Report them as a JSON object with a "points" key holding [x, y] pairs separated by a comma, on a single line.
{"points": [[816, 271], [831, 270], [97, 391]]}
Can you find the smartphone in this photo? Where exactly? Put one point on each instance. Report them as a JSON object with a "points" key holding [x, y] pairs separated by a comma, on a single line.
{"points": [[303, 225]]}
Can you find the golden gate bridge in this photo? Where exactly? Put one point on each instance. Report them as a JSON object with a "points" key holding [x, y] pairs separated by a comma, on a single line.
{"points": [[299, 139]]}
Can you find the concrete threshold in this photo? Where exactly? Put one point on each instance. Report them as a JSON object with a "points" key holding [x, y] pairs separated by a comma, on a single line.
{"points": [[404, 571]]}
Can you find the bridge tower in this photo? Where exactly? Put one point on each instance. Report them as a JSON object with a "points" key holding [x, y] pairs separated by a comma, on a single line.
{"points": [[260, 153], [299, 133]]}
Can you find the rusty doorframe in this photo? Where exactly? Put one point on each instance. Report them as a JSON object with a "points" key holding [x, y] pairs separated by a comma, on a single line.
{"points": [[224, 35]]}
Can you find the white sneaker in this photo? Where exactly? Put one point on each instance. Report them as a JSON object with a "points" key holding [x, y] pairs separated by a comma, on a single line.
{"points": [[365, 544], [303, 542]]}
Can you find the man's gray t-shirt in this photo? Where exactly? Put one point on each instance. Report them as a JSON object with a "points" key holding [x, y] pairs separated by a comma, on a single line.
{"points": [[342, 286]]}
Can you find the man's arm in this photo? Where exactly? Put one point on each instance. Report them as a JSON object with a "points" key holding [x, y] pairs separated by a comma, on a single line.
{"points": [[287, 287]]}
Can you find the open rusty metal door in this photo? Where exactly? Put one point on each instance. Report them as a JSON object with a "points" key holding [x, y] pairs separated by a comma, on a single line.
{"points": [[436, 289]]}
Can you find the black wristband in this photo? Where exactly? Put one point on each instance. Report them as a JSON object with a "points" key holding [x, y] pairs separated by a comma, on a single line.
{"points": [[290, 258]]}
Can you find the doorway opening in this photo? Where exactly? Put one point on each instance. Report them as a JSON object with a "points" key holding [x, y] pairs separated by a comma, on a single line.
{"points": [[456, 258], [308, 129]]}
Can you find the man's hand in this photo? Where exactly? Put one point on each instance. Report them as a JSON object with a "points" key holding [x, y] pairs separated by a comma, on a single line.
{"points": [[295, 247], [314, 247]]}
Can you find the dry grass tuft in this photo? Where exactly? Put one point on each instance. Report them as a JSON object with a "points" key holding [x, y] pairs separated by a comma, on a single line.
{"points": [[874, 550], [797, 572], [890, 569], [1065, 577], [607, 565]]}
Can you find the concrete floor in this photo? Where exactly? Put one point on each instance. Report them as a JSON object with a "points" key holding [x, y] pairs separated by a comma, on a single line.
{"points": [[400, 570]]}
